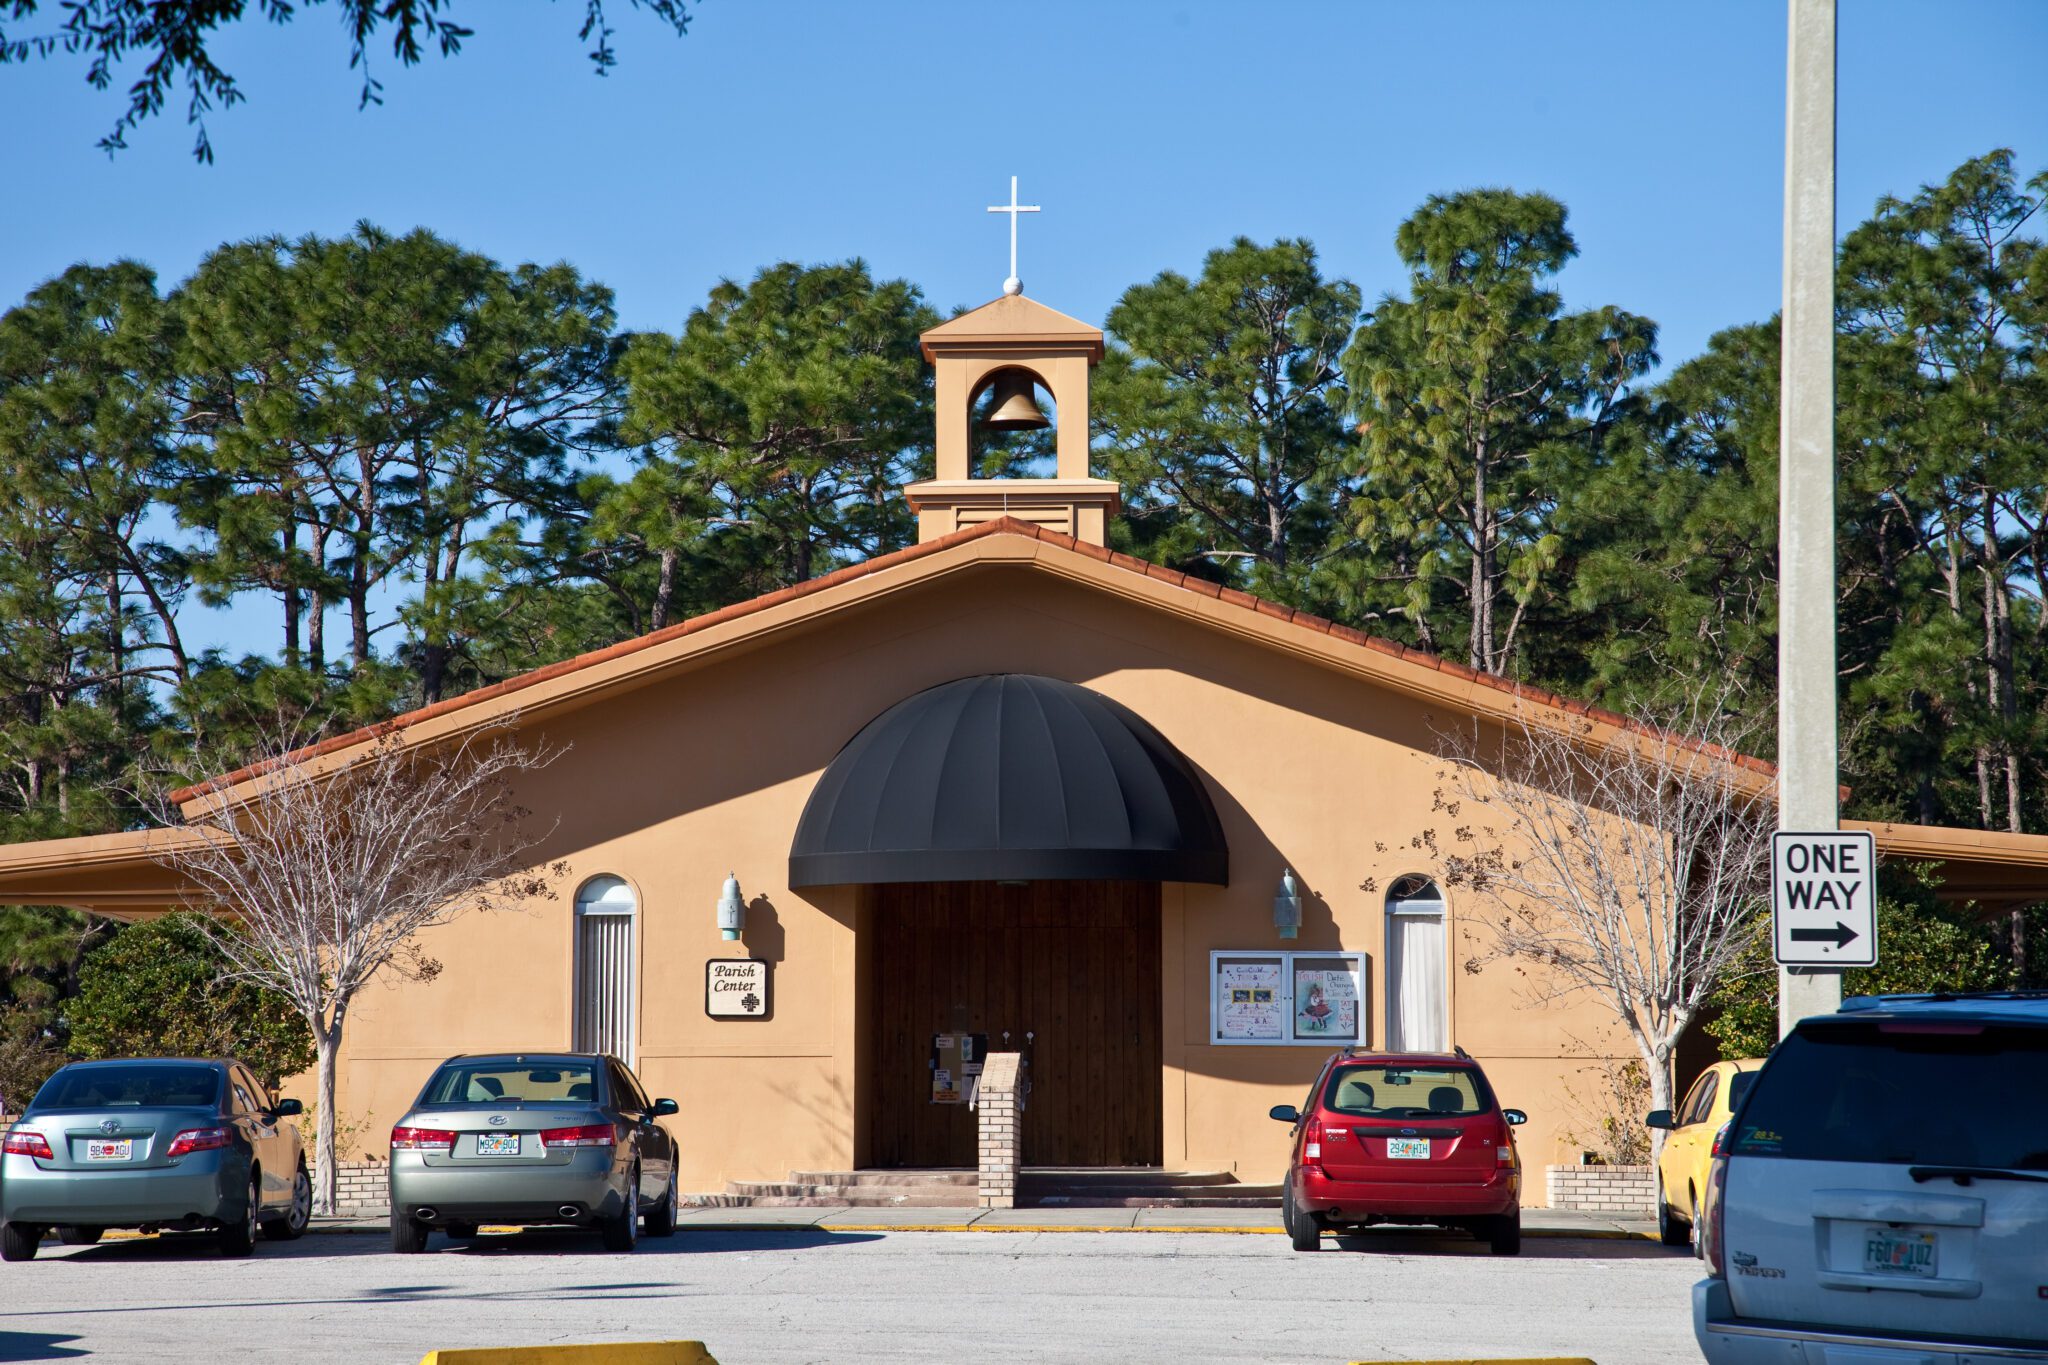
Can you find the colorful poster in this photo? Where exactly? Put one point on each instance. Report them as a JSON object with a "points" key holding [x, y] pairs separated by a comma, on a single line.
{"points": [[1325, 1002], [1248, 1000]]}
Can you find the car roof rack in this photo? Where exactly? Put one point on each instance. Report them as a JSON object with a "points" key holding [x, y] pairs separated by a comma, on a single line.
{"points": [[1360, 1050]]}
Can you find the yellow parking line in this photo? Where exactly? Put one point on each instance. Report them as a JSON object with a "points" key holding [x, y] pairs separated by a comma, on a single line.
{"points": [[611, 1353]]}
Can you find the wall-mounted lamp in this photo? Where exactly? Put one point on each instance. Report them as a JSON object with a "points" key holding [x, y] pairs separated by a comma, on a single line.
{"points": [[732, 909], [1287, 906]]}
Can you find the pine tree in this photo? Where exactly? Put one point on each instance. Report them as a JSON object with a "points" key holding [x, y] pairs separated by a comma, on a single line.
{"points": [[1221, 405], [1482, 401]]}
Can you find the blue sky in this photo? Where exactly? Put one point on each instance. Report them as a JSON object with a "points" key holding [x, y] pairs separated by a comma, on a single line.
{"points": [[1150, 133]]}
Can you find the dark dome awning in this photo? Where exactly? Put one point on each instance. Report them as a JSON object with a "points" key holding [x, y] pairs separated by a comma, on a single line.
{"points": [[1008, 777]]}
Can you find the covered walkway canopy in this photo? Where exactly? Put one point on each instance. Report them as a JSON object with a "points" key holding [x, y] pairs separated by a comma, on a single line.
{"points": [[1004, 777]]}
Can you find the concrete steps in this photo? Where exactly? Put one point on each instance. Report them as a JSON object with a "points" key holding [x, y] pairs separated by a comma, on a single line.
{"points": [[1140, 1188], [892, 1179], [1038, 1187], [908, 1189]]}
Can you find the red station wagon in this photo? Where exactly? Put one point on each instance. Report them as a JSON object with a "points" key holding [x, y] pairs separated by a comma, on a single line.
{"points": [[1403, 1137]]}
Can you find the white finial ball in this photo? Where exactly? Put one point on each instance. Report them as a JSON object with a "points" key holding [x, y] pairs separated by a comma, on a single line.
{"points": [[1013, 286]]}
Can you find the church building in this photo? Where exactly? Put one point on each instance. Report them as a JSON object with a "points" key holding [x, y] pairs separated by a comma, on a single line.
{"points": [[1151, 833]]}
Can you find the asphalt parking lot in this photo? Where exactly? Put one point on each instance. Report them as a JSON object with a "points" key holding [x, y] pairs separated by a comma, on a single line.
{"points": [[806, 1294]]}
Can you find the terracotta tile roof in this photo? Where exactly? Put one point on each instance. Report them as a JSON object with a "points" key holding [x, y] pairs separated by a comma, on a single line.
{"points": [[1002, 526]]}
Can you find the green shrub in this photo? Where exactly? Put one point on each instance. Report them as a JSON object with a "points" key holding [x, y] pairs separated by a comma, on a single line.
{"points": [[27, 1057], [1921, 946], [158, 990]]}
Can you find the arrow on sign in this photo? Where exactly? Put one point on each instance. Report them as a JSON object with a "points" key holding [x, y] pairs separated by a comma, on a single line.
{"points": [[1839, 935]]}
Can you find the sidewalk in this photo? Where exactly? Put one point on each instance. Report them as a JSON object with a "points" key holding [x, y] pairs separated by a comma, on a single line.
{"points": [[1535, 1222]]}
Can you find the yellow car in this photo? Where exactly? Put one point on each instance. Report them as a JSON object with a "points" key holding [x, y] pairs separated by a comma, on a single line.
{"points": [[1689, 1144]]}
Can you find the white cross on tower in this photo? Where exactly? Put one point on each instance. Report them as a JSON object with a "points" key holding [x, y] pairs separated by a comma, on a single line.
{"points": [[1013, 285]]}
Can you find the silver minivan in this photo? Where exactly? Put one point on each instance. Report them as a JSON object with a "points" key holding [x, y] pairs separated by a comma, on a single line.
{"points": [[1883, 1193]]}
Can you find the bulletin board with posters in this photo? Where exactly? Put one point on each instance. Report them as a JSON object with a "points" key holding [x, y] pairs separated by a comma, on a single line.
{"points": [[1287, 999]]}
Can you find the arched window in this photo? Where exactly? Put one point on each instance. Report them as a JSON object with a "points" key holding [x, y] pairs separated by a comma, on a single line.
{"points": [[1418, 972], [604, 968]]}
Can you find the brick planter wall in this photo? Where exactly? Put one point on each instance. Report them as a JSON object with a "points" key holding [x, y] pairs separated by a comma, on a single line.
{"points": [[1604, 1189], [361, 1191]]}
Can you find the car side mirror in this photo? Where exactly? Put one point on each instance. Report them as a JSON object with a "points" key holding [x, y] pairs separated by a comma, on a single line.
{"points": [[287, 1109], [1658, 1118], [1286, 1113], [663, 1108], [1515, 1117]]}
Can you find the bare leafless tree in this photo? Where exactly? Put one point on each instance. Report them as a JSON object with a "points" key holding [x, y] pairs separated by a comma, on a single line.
{"points": [[324, 870], [1628, 860]]}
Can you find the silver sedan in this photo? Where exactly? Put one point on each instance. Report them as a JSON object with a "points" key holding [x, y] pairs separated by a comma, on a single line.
{"points": [[529, 1139], [152, 1143]]}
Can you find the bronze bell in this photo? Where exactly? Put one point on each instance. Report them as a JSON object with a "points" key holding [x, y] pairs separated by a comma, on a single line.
{"points": [[1013, 408]]}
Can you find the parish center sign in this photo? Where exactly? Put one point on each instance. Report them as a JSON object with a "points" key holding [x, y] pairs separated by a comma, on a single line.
{"points": [[736, 988], [1824, 898]]}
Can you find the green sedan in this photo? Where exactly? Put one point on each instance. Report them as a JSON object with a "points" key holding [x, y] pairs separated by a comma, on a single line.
{"points": [[533, 1139], [159, 1143]]}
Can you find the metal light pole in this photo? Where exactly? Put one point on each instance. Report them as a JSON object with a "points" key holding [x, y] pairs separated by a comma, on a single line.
{"points": [[1807, 757]]}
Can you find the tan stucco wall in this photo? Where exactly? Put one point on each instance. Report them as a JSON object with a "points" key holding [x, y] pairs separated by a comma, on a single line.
{"points": [[676, 782]]}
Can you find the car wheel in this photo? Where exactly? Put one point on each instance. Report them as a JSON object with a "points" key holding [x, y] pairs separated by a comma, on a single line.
{"points": [[18, 1241], [1692, 1230], [1672, 1230], [661, 1219], [622, 1230], [239, 1238], [79, 1237], [408, 1235], [296, 1219], [1504, 1234], [1302, 1228]]}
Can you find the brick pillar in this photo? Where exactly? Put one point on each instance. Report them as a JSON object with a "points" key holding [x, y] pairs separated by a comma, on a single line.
{"points": [[1000, 1117]]}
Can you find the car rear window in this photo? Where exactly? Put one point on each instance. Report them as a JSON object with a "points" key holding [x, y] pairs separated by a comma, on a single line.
{"points": [[1934, 1093], [132, 1085], [1407, 1092], [485, 1082]]}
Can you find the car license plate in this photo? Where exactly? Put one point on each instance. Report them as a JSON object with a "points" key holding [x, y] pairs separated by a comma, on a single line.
{"points": [[497, 1144], [1887, 1251], [120, 1149], [1410, 1149]]}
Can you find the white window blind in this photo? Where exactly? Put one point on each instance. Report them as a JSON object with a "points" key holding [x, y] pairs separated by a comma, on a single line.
{"points": [[604, 968], [1418, 976]]}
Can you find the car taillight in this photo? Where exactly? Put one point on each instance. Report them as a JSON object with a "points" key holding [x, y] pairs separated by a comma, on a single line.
{"points": [[199, 1140], [590, 1135], [1721, 1140], [21, 1142], [422, 1140], [1714, 1231], [1504, 1153], [1312, 1138]]}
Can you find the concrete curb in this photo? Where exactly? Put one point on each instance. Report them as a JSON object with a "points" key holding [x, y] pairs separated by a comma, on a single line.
{"points": [[1228, 1230]]}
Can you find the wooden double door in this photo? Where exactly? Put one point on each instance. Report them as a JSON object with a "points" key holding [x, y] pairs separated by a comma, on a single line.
{"points": [[1070, 971]]}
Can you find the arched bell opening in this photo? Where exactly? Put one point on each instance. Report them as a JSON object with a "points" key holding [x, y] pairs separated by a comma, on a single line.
{"points": [[1013, 426]]}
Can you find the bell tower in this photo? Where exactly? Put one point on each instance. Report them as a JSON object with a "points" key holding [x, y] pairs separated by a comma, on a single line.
{"points": [[1014, 346]]}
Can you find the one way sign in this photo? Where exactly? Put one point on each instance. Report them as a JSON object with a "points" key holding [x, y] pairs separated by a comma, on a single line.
{"points": [[1824, 898]]}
